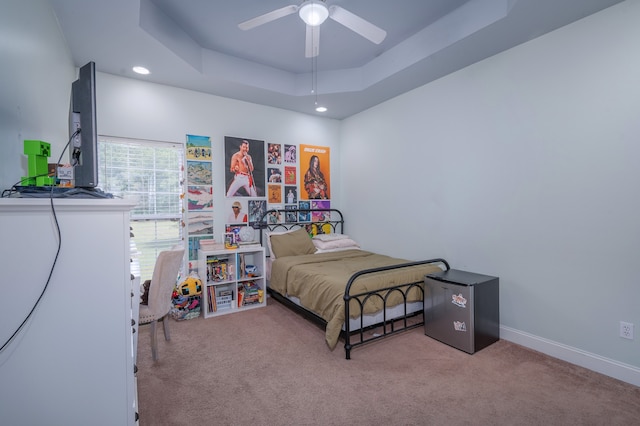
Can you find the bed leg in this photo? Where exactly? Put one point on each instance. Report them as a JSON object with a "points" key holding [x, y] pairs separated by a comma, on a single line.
{"points": [[347, 351]]}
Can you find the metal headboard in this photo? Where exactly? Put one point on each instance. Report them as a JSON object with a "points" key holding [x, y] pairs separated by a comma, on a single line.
{"points": [[315, 221]]}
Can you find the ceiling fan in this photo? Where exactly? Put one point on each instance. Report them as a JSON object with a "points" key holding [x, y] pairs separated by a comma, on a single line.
{"points": [[314, 13]]}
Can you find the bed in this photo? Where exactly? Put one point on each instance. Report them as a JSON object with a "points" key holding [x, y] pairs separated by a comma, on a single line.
{"points": [[316, 269]]}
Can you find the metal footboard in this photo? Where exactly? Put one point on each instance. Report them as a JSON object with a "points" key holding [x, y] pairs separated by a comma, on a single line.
{"points": [[389, 326]]}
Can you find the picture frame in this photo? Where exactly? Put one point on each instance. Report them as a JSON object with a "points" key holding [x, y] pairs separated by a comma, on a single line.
{"points": [[230, 240]]}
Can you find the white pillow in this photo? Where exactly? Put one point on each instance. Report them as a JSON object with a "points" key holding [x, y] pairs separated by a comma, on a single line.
{"points": [[337, 249], [330, 237], [342, 243]]}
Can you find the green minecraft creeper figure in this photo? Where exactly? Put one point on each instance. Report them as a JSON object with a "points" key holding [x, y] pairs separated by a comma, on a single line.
{"points": [[38, 153]]}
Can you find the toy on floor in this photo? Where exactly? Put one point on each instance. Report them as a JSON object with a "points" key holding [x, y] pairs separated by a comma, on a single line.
{"points": [[186, 299], [191, 286]]}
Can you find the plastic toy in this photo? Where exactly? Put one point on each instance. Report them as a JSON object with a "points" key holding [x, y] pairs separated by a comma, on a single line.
{"points": [[38, 153], [191, 286], [251, 270]]}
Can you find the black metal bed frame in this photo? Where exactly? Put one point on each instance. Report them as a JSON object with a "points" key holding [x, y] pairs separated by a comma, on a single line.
{"points": [[389, 326]]}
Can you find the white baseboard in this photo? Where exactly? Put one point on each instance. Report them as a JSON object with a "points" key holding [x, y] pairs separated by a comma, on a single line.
{"points": [[617, 370]]}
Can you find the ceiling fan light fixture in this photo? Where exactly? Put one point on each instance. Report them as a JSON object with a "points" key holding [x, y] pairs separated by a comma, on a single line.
{"points": [[313, 13]]}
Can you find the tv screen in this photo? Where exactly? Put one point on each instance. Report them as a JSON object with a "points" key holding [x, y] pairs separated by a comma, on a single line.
{"points": [[82, 115]]}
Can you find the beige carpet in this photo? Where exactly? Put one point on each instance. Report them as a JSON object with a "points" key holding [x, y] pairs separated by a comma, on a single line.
{"points": [[270, 366]]}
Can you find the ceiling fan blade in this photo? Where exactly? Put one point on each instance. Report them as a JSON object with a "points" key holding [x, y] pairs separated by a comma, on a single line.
{"points": [[268, 17], [356, 24], [312, 41]]}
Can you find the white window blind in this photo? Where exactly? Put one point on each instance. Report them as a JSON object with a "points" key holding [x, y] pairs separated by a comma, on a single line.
{"points": [[150, 172]]}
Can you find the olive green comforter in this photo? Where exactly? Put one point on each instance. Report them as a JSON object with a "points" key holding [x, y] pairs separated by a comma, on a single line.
{"points": [[319, 281]]}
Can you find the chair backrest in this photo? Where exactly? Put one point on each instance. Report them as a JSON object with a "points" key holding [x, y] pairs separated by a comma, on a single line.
{"points": [[163, 281]]}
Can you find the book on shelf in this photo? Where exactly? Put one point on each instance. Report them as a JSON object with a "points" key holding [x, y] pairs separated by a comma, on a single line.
{"points": [[240, 298], [250, 287], [251, 291], [241, 272], [217, 268], [211, 295], [211, 244], [249, 244]]}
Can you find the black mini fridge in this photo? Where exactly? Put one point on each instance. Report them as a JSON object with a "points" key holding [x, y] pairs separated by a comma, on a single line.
{"points": [[461, 309]]}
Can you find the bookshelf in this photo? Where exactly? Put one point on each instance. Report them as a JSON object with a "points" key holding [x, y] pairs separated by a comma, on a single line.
{"points": [[233, 280]]}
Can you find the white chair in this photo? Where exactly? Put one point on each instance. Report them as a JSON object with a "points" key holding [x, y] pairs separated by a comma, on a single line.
{"points": [[163, 281]]}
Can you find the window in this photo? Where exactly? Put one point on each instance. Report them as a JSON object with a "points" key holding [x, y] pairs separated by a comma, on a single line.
{"points": [[150, 172]]}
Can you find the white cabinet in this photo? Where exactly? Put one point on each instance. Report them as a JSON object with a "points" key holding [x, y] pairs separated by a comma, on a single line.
{"points": [[232, 280], [73, 362]]}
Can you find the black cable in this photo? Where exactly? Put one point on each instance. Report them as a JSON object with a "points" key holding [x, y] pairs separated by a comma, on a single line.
{"points": [[55, 260], [7, 192]]}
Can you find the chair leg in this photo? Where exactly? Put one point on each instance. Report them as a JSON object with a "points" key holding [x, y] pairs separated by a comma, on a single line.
{"points": [[165, 327], [154, 341]]}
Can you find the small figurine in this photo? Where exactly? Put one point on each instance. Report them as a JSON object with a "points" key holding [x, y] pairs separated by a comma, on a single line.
{"points": [[38, 153]]}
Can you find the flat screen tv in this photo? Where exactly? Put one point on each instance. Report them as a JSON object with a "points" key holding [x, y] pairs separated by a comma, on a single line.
{"points": [[83, 148]]}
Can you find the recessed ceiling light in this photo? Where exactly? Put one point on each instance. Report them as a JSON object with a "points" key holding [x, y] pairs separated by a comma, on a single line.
{"points": [[321, 109], [141, 70]]}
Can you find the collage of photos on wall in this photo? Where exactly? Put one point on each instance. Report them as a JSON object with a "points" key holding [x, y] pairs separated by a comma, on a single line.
{"points": [[290, 177], [199, 195], [283, 172], [258, 177], [299, 179]]}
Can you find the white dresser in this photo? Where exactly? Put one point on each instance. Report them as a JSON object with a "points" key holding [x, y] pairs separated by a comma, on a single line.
{"points": [[73, 361]]}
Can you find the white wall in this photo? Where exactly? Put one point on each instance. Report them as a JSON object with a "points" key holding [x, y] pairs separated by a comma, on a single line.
{"points": [[36, 73], [135, 109], [524, 166]]}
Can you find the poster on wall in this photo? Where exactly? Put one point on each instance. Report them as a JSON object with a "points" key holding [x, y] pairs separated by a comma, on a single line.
{"points": [[199, 172], [275, 194], [244, 167], [291, 194], [200, 197], [275, 215], [275, 175], [200, 223], [198, 148], [320, 216], [304, 216], [257, 209], [274, 155], [237, 212], [314, 172], [290, 154], [290, 175]]}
